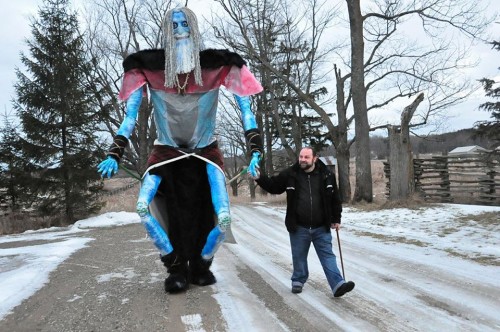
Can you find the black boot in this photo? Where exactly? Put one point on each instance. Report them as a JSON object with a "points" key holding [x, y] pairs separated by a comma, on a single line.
{"points": [[200, 272], [177, 280], [345, 288]]}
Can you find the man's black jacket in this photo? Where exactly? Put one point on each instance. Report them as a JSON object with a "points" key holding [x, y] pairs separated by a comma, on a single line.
{"points": [[287, 180]]}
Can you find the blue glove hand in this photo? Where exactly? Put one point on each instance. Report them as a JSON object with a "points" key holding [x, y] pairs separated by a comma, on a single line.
{"points": [[254, 168], [214, 240], [108, 167]]}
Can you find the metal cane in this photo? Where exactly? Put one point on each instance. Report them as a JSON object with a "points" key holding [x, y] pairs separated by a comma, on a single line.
{"points": [[340, 253]]}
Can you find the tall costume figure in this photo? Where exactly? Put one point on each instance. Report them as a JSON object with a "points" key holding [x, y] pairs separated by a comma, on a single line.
{"points": [[184, 184]]}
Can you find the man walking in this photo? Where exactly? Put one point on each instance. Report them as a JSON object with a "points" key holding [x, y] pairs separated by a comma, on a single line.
{"points": [[313, 208]]}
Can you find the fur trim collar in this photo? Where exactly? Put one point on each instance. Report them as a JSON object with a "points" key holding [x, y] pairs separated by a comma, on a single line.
{"points": [[155, 59]]}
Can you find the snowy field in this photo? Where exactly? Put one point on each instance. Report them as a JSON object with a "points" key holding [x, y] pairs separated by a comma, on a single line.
{"points": [[430, 269]]}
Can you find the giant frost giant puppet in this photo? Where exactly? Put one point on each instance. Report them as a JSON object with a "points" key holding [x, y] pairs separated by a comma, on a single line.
{"points": [[184, 182]]}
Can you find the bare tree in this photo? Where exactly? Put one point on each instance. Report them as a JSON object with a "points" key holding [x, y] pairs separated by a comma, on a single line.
{"points": [[283, 44], [380, 23], [402, 183], [115, 29], [363, 190], [343, 144]]}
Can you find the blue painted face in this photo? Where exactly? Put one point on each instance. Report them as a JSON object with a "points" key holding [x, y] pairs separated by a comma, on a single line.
{"points": [[180, 25], [181, 33]]}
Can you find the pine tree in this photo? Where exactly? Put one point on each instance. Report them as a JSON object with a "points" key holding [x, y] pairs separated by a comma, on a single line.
{"points": [[12, 171], [53, 101], [491, 129]]}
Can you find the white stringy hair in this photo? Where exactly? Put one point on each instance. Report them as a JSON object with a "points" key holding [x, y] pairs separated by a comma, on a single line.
{"points": [[169, 45]]}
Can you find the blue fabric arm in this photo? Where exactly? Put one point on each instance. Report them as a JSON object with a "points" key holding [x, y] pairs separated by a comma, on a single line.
{"points": [[247, 116], [250, 127], [109, 166], [149, 187], [133, 104]]}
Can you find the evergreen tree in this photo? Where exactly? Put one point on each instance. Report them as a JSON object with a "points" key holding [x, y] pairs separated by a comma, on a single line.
{"points": [[53, 101], [12, 172], [491, 129]]}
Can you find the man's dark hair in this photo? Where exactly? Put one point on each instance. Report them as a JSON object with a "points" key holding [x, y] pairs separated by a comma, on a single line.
{"points": [[312, 149]]}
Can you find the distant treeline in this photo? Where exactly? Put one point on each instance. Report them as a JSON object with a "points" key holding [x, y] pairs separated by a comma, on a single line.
{"points": [[435, 144]]}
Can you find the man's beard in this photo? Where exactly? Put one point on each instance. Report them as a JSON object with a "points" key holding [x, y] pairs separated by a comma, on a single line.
{"points": [[184, 53], [305, 166]]}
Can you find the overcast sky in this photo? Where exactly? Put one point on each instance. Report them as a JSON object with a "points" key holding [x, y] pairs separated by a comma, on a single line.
{"points": [[14, 29]]}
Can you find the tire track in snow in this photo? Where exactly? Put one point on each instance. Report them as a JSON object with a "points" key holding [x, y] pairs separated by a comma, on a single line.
{"points": [[398, 286], [261, 231], [241, 309], [419, 292]]}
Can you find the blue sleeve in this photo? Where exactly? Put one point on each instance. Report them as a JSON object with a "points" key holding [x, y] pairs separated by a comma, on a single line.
{"points": [[132, 109], [247, 116]]}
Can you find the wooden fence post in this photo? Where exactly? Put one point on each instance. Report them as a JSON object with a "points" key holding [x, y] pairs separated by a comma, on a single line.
{"points": [[418, 172], [445, 178], [387, 173]]}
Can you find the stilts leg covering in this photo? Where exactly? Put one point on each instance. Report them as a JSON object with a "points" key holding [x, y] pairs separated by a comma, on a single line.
{"points": [[200, 273], [177, 281]]}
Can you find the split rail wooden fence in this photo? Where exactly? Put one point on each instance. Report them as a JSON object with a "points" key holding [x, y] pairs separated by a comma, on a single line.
{"points": [[468, 179]]}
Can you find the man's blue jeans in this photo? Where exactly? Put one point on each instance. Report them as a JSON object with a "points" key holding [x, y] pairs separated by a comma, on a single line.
{"points": [[300, 241]]}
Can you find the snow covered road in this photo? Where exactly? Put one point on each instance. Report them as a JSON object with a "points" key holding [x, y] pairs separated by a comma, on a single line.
{"points": [[399, 287], [430, 269]]}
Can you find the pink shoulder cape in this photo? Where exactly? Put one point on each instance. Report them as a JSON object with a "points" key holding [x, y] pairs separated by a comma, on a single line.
{"points": [[239, 81]]}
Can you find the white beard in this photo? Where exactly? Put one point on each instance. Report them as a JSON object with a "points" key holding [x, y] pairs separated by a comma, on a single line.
{"points": [[184, 53]]}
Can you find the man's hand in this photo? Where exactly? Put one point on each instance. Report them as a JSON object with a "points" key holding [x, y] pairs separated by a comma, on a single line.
{"points": [[254, 168], [108, 167], [335, 227]]}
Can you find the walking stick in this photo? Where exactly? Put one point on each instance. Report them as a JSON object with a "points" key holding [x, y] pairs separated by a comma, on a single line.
{"points": [[238, 175], [340, 252], [129, 172]]}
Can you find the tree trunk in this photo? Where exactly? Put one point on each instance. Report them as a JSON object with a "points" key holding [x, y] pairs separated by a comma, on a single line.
{"points": [[260, 114], [269, 148], [251, 186], [68, 203], [342, 146], [400, 160], [363, 191], [262, 118], [343, 170], [234, 188], [402, 181], [289, 151]]}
